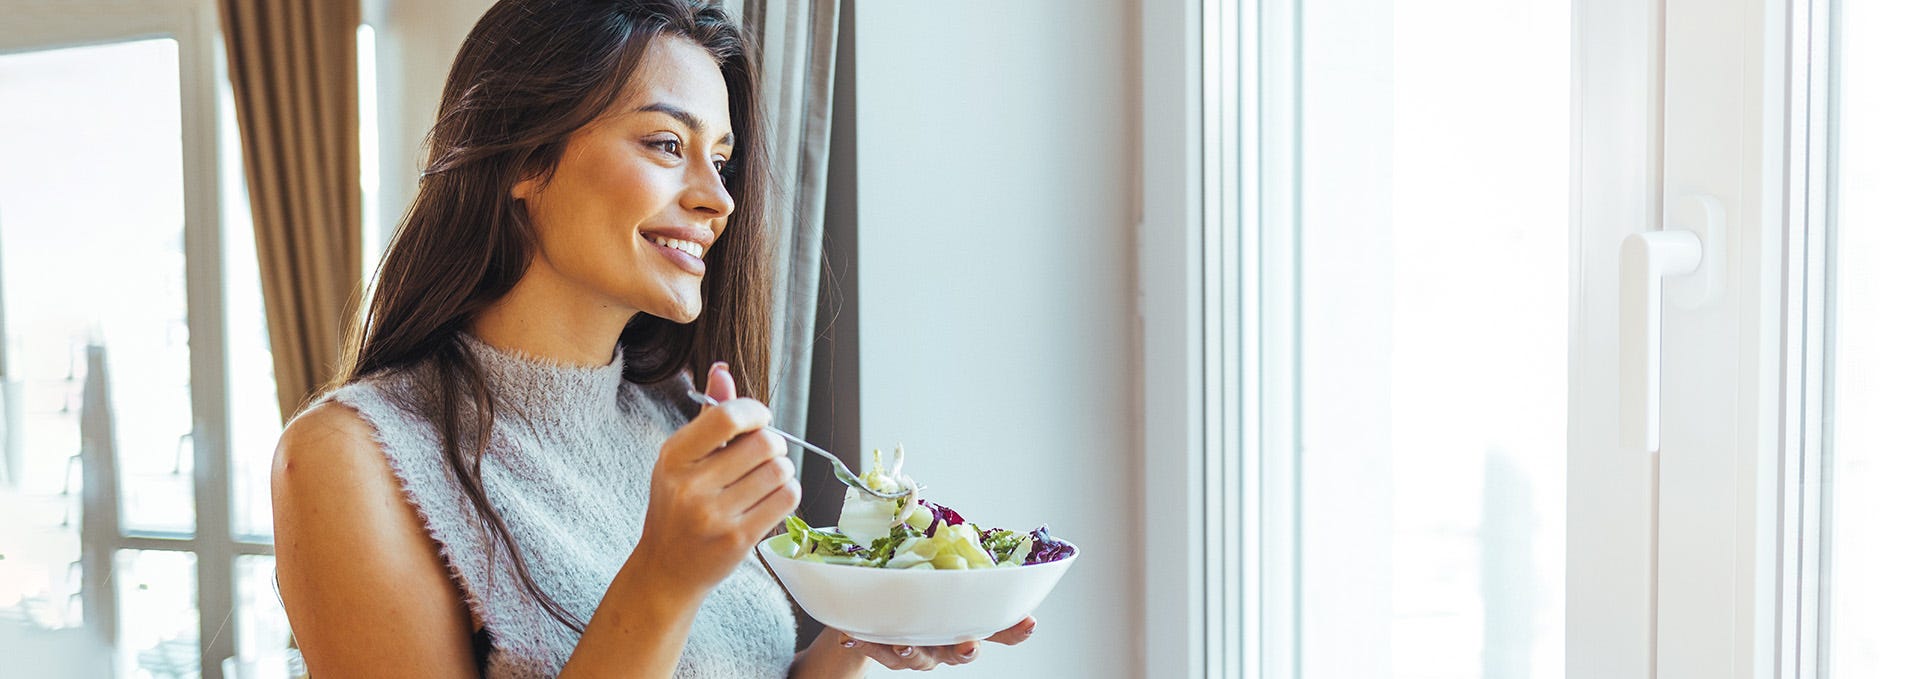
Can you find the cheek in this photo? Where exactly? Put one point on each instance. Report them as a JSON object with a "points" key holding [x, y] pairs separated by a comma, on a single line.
{"points": [[608, 182], [624, 184], [598, 204]]}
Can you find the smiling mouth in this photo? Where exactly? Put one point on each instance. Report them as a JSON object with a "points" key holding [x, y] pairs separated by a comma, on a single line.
{"points": [[686, 246]]}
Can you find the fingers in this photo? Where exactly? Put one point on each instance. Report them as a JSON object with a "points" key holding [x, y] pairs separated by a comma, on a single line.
{"points": [[720, 382], [737, 461], [956, 654], [750, 477], [893, 657], [912, 657], [1020, 631], [713, 428], [756, 483], [915, 657], [720, 385], [775, 506]]}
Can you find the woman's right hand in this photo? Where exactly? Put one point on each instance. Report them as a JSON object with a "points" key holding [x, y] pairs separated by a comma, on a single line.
{"points": [[721, 483]]}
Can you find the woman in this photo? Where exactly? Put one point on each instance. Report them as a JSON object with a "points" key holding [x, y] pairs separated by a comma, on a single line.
{"points": [[510, 480]]}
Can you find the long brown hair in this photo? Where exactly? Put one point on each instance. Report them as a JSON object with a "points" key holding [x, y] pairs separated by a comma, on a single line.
{"points": [[530, 74]]}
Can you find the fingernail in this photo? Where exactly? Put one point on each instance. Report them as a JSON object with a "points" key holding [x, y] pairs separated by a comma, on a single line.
{"points": [[904, 651], [721, 365], [847, 643], [969, 653]]}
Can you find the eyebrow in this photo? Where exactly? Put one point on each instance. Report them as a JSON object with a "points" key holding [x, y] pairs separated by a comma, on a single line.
{"points": [[684, 117]]}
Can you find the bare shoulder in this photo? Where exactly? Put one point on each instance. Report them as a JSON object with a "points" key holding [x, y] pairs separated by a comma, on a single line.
{"points": [[330, 425], [364, 585], [331, 453]]}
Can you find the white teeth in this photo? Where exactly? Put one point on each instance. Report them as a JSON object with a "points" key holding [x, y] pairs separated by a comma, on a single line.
{"points": [[688, 247]]}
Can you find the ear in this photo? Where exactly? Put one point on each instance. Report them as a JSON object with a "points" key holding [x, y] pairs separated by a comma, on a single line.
{"points": [[525, 187]]}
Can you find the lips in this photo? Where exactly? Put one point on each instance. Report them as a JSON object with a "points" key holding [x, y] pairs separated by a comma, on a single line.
{"points": [[683, 247], [686, 246]]}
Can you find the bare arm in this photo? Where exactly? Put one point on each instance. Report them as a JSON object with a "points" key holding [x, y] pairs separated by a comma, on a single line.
{"points": [[640, 627], [364, 586]]}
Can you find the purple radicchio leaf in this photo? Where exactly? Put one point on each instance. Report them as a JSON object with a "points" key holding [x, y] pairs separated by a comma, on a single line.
{"points": [[941, 514], [1045, 548]]}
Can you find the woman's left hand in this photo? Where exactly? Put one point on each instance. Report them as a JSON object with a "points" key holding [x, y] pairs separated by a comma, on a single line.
{"points": [[929, 657]]}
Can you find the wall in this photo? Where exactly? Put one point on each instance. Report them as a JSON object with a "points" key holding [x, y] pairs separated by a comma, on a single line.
{"points": [[997, 171], [414, 45]]}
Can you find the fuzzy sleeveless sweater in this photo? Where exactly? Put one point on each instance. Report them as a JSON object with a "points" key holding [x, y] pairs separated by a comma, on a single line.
{"points": [[568, 469]]}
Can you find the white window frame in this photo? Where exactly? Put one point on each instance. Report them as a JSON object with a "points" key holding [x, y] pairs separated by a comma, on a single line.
{"points": [[1678, 99], [1217, 477], [195, 26], [1610, 513], [1801, 623]]}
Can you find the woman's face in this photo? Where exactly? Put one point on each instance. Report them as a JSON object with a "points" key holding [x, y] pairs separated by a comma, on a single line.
{"points": [[637, 199]]}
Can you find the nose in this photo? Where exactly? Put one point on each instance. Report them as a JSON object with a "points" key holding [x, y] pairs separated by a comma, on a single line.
{"points": [[706, 192]]}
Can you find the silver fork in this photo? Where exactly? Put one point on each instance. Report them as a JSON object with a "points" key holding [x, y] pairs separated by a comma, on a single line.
{"points": [[840, 470]]}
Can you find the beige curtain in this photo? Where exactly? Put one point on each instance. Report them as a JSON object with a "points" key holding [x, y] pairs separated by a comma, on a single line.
{"points": [[294, 85], [797, 40]]}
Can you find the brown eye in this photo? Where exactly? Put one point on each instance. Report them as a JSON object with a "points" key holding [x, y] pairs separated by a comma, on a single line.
{"points": [[669, 146]]}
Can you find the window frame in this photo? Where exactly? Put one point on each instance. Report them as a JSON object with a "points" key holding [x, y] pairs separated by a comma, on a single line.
{"points": [[1217, 414], [1610, 492], [1722, 524]]}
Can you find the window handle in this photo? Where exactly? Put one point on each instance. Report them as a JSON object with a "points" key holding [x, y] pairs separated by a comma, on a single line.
{"points": [[1691, 246]]}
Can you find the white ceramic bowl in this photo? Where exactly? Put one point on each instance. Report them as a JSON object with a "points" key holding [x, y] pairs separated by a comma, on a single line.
{"points": [[916, 607]]}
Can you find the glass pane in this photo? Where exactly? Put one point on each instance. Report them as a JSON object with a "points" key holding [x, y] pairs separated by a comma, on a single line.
{"points": [[159, 623], [261, 629], [43, 631], [1433, 292], [1871, 577], [252, 400], [91, 240]]}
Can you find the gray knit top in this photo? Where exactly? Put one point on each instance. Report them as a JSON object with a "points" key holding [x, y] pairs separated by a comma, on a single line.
{"points": [[568, 470]]}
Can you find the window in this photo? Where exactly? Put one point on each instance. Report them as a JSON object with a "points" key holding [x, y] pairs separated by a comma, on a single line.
{"points": [[1426, 349], [1869, 627], [1378, 299], [1401, 336], [134, 457]]}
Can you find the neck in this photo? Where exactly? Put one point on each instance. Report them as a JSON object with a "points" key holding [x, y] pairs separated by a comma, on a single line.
{"points": [[544, 317]]}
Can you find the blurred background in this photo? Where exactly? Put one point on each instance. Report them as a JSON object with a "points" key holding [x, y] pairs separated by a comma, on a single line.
{"points": [[974, 240]]}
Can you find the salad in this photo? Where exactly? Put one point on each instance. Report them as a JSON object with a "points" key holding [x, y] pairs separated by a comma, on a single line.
{"points": [[912, 533]]}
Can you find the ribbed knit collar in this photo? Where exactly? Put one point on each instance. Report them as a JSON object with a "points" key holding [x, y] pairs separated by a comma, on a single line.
{"points": [[544, 390]]}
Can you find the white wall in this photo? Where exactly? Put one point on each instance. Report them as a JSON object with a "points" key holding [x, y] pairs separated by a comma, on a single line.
{"points": [[997, 171], [414, 46]]}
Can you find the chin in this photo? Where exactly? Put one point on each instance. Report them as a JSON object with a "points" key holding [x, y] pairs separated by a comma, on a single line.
{"points": [[671, 304], [678, 313]]}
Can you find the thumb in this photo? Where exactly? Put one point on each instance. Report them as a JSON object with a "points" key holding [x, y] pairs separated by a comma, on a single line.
{"points": [[720, 385]]}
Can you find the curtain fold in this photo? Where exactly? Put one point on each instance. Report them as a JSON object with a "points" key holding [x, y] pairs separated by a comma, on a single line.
{"points": [[797, 40], [295, 86]]}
